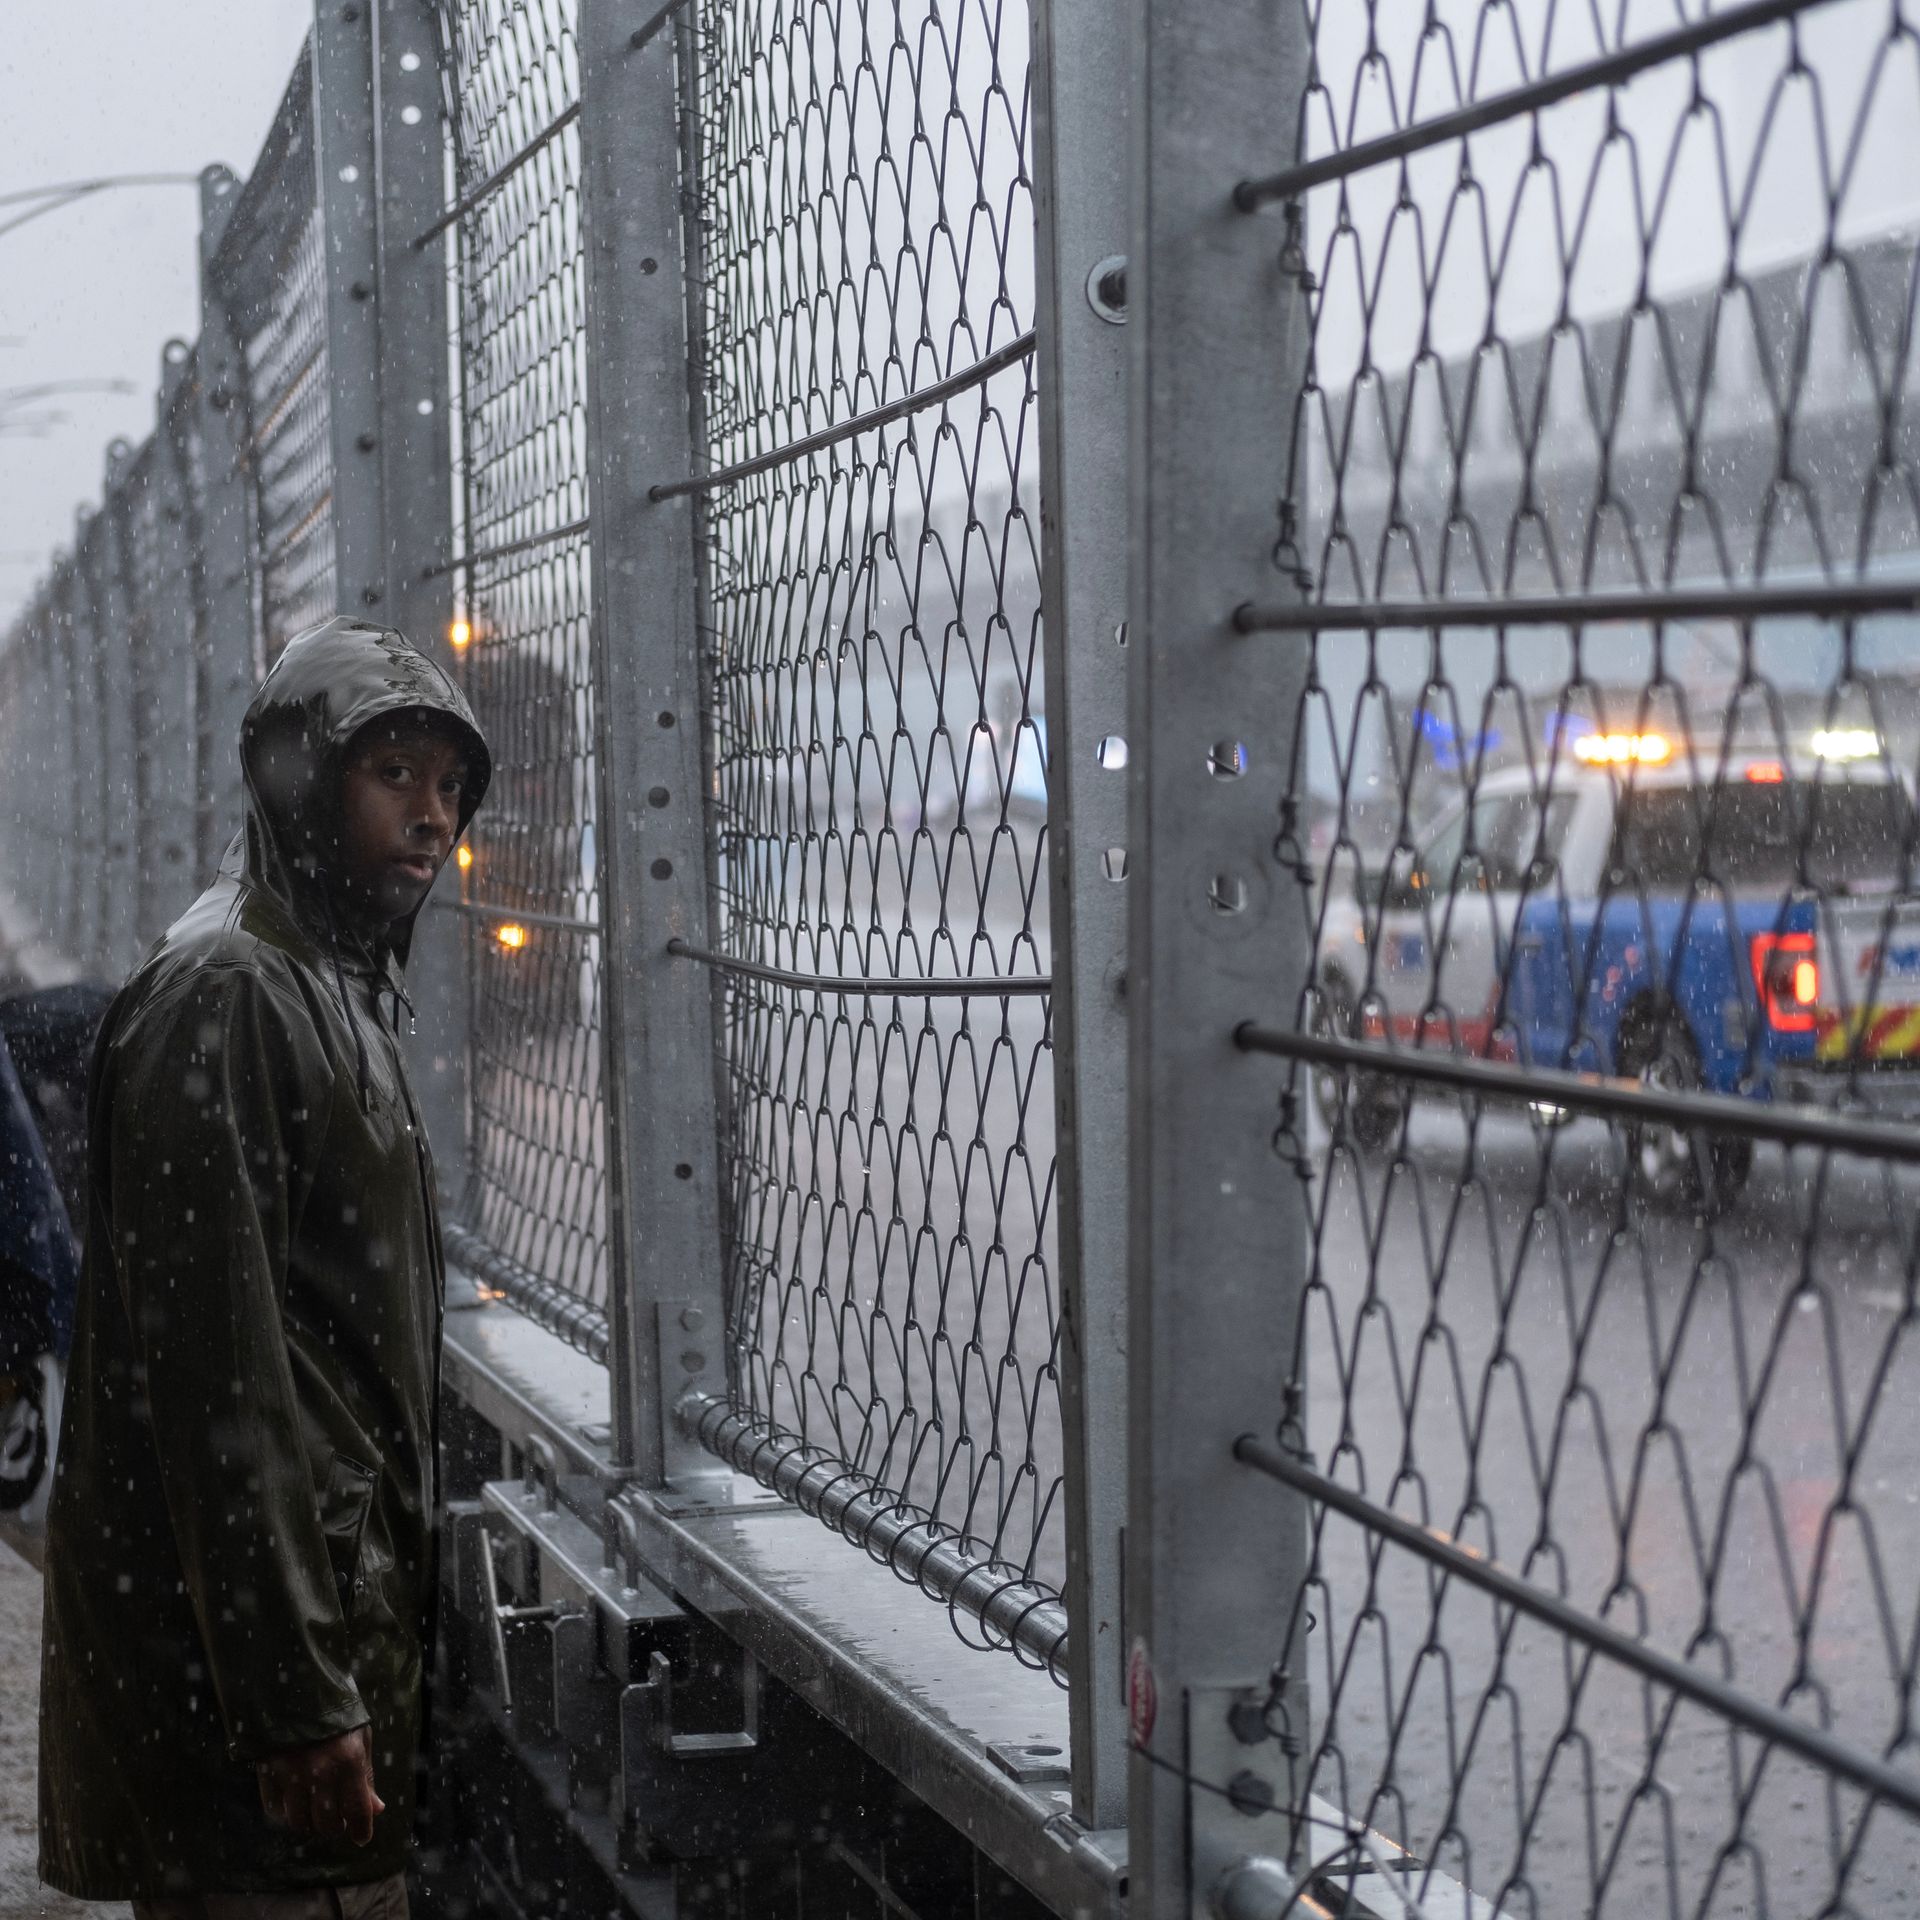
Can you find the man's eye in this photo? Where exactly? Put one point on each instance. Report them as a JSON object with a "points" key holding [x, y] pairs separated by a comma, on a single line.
{"points": [[398, 771]]}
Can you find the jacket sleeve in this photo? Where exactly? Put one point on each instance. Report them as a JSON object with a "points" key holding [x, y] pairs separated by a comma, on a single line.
{"points": [[217, 1098]]}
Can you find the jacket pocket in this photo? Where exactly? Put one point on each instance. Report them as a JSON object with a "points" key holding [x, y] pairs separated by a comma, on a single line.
{"points": [[344, 1505]]}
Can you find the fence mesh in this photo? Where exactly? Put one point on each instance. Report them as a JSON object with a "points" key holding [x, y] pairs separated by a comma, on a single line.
{"points": [[864, 237], [539, 1115], [274, 265], [1657, 337]]}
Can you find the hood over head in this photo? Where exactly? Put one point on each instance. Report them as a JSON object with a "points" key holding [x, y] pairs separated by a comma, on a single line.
{"points": [[331, 682]]}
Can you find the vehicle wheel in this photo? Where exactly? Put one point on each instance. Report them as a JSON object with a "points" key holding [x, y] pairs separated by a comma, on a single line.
{"points": [[23, 1440], [1665, 1168], [1371, 1103]]}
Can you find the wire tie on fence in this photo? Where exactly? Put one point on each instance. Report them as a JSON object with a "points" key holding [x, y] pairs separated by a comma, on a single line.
{"points": [[1600, 1096], [500, 175], [480, 556], [1773, 1725], [979, 986], [1609, 70], [950, 388], [658, 19], [1836, 600]]}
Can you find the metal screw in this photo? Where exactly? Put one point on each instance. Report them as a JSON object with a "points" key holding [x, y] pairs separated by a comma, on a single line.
{"points": [[692, 1319], [365, 442], [1248, 1719]]}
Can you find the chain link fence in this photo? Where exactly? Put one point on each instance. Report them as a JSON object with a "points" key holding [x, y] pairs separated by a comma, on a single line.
{"points": [[859, 229], [537, 1176], [273, 271], [1601, 535], [1580, 1323], [865, 420]]}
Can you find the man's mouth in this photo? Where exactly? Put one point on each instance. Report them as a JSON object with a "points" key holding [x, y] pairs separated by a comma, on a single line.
{"points": [[421, 866]]}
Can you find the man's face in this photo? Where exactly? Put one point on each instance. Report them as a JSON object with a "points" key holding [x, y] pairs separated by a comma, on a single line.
{"points": [[400, 809]]}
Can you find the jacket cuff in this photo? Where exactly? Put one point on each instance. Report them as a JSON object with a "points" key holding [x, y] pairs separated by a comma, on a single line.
{"points": [[258, 1736]]}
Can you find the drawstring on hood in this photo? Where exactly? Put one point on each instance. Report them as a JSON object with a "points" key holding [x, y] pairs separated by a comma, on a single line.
{"points": [[332, 681]]}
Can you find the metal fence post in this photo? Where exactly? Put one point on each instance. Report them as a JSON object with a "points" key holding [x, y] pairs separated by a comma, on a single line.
{"points": [[226, 507], [416, 494], [80, 882], [1080, 203], [1217, 327], [347, 175], [114, 676], [663, 1213], [167, 877]]}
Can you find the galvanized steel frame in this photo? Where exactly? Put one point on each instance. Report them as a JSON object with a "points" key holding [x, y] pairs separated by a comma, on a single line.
{"points": [[663, 1171], [1219, 331], [413, 433], [1081, 211]]}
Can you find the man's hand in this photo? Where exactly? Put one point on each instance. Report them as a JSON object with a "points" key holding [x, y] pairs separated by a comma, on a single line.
{"points": [[325, 1789]]}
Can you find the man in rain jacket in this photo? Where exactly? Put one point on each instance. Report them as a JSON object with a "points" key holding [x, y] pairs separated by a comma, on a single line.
{"points": [[240, 1554]]}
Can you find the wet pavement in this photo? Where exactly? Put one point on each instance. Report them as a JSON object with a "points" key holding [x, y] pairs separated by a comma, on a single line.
{"points": [[22, 1897]]}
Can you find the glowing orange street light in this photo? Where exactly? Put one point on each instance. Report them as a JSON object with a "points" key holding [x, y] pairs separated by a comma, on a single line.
{"points": [[512, 936], [464, 857], [460, 635]]}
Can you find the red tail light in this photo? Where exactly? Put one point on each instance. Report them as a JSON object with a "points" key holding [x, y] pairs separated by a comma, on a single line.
{"points": [[1786, 975]]}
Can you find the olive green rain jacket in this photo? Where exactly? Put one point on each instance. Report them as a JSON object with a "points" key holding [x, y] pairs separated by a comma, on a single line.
{"points": [[240, 1548]]}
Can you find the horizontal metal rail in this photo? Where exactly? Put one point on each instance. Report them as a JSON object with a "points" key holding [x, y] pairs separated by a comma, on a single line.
{"points": [[988, 986], [1609, 70], [943, 1565], [651, 26], [1771, 1724], [955, 383], [578, 1322], [1601, 1096], [479, 556], [485, 910], [1837, 600], [499, 176]]}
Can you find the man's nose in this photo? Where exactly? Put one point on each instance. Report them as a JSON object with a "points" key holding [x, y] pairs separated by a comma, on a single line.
{"points": [[438, 817]]}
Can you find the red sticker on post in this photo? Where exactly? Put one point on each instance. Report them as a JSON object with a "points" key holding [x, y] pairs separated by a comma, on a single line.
{"points": [[1143, 1697]]}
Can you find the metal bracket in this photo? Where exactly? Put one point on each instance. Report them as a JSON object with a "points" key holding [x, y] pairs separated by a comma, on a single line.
{"points": [[1238, 1799], [654, 1698], [541, 1470], [1031, 1763], [598, 1568]]}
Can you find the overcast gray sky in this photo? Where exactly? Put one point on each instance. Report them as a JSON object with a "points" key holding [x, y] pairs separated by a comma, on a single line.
{"points": [[93, 292]]}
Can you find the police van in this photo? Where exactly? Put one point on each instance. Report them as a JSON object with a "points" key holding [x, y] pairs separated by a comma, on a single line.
{"points": [[1740, 921]]}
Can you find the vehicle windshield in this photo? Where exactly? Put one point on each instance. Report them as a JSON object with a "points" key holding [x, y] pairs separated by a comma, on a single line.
{"points": [[1854, 835]]}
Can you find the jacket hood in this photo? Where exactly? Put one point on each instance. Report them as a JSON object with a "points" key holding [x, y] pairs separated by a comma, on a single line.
{"points": [[330, 682]]}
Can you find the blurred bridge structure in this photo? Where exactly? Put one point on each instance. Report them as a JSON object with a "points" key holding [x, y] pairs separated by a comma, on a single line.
{"points": [[962, 520]]}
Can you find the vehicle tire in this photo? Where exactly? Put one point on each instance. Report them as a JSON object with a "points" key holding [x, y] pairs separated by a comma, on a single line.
{"points": [[1665, 1165], [1371, 1104], [23, 1439]]}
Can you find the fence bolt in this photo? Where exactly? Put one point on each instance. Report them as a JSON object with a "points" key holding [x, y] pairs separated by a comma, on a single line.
{"points": [[1107, 289], [1250, 1793]]}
